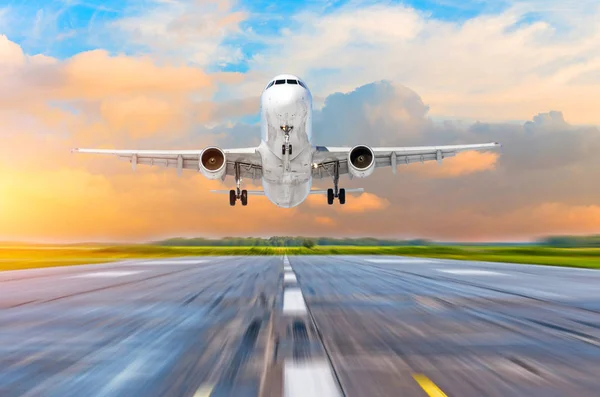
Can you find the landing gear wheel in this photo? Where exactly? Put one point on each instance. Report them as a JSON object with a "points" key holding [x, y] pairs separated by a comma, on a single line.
{"points": [[329, 196], [232, 197], [290, 149], [244, 197], [342, 196]]}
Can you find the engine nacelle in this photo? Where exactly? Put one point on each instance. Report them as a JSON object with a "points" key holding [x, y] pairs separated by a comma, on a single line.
{"points": [[212, 163], [361, 161]]}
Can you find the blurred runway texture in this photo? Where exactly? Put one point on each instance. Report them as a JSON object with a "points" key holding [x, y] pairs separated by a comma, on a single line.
{"points": [[272, 326]]}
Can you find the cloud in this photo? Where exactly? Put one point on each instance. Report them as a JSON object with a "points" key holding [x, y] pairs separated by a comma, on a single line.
{"points": [[492, 67], [365, 202], [464, 163], [194, 31], [99, 96], [475, 195], [96, 74], [143, 115], [324, 220], [539, 183], [508, 62], [391, 110]]}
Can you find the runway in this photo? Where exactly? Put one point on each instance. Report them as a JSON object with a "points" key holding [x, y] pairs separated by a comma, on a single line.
{"points": [[300, 326]]}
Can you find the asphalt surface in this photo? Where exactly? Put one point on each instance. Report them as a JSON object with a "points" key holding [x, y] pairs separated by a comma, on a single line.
{"points": [[333, 326]]}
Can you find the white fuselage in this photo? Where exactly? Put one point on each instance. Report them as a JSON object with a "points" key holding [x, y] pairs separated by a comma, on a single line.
{"points": [[286, 118]]}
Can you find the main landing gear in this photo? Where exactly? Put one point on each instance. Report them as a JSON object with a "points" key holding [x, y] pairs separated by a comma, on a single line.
{"points": [[340, 194], [238, 194]]}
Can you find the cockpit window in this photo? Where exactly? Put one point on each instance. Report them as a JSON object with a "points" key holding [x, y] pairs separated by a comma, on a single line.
{"points": [[286, 81]]}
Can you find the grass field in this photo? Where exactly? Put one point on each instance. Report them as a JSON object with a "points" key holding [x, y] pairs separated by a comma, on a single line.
{"points": [[28, 257], [24, 257]]}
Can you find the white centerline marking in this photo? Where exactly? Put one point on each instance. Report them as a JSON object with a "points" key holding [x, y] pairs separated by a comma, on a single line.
{"points": [[105, 274], [309, 379], [471, 272], [289, 278], [293, 302], [204, 391]]}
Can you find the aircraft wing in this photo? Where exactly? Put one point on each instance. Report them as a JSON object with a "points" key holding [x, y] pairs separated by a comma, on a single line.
{"points": [[324, 157], [248, 158]]}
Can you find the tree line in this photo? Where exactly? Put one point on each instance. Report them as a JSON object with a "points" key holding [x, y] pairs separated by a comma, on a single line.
{"points": [[299, 241], [284, 242], [572, 241]]}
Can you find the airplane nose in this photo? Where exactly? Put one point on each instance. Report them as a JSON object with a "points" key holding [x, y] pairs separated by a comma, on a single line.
{"points": [[288, 103]]}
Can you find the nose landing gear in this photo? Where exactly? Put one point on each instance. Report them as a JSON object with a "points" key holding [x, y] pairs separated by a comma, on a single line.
{"points": [[287, 146]]}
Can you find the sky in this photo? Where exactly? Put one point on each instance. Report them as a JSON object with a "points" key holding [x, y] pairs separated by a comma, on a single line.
{"points": [[168, 74]]}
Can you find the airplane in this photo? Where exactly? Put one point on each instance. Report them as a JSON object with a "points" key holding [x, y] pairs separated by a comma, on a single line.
{"points": [[286, 161]]}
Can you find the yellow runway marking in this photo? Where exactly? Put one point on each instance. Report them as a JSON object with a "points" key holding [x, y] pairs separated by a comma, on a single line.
{"points": [[430, 388], [203, 391]]}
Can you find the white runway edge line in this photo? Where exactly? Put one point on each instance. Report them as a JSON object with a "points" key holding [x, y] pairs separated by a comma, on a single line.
{"points": [[293, 302], [401, 260], [168, 262], [471, 272], [119, 273], [309, 379], [289, 278]]}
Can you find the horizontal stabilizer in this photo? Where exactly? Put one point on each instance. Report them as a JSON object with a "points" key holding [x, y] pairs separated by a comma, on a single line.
{"points": [[357, 190], [262, 193], [250, 192]]}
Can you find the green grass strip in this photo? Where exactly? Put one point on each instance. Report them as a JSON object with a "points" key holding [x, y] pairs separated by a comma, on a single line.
{"points": [[25, 257]]}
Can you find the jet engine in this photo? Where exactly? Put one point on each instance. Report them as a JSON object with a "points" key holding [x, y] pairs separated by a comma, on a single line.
{"points": [[212, 163], [361, 161]]}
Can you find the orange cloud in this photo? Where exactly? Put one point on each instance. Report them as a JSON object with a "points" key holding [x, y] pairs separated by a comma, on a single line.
{"points": [[473, 224], [324, 220], [74, 205], [143, 115], [95, 99], [462, 164], [97, 75], [365, 202], [559, 218]]}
